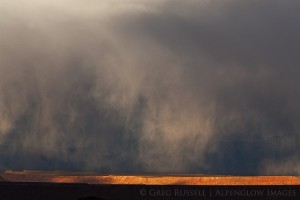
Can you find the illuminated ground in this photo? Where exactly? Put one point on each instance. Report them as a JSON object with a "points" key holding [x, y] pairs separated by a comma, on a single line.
{"points": [[61, 177]]}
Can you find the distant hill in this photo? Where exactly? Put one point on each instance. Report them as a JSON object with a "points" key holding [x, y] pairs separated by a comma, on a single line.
{"points": [[2, 179]]}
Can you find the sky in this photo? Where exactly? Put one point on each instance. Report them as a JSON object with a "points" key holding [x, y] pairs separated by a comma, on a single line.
{"points": [[150, 86]]}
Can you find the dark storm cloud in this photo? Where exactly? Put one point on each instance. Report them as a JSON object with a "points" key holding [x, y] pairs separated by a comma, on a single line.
{"points": [[243, 57], [150, 86]]}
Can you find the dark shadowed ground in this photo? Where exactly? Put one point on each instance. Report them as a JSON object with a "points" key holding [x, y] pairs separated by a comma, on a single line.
{"points": [[55, 191]]}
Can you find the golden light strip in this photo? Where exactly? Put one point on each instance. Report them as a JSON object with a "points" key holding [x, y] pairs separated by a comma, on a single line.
{"points": [[151, 180]]}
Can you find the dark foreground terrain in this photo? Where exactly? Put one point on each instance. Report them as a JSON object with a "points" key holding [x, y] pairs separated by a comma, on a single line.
{"points": [[75, 191]]}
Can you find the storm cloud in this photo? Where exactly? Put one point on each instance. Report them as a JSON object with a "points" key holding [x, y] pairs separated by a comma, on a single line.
{"points": [[165, 86]]}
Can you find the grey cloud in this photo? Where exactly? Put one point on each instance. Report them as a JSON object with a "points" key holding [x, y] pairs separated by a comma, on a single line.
{"points": [[167, 86]]}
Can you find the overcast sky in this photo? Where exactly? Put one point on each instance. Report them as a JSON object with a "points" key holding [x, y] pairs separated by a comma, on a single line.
{"points": [[150, 86]]}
